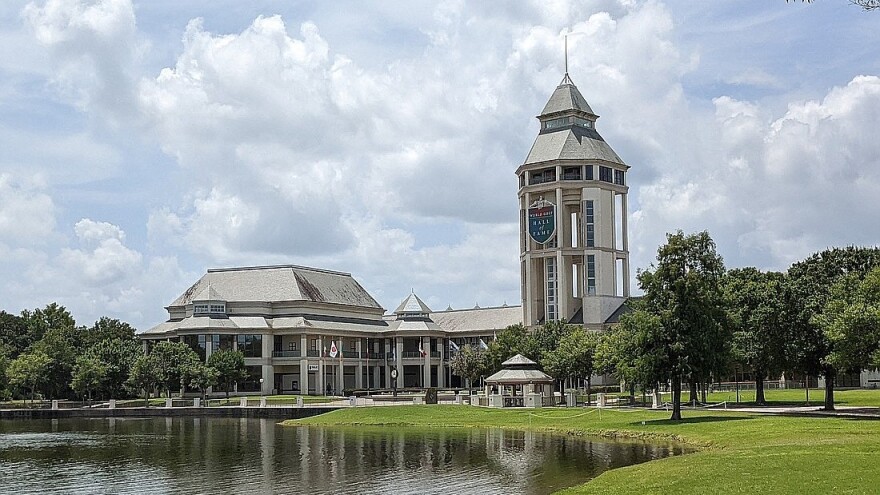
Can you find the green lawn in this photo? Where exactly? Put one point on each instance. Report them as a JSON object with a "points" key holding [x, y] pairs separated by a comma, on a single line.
{"points": [[738, 452]]}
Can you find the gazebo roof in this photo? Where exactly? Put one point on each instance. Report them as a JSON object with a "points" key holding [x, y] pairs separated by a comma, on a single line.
{"points": [[520, 376], [519, 369], [518, 360]]}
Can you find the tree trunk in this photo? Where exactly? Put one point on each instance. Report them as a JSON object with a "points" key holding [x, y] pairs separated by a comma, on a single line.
{"points": [[676, 399], [693, 399], [589, 387], [829, 389], [759, 388], [705, 390]]}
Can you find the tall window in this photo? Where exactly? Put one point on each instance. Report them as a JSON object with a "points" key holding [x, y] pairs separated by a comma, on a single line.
{"points": [[250, 345], [223, 342], [591, 274], [605, 174], [589, 223], [196, 343], [619, 177], [550, 264], [589, 172]]}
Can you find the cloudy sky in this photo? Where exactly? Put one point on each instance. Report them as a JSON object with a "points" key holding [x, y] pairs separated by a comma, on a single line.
{"points": [[142, 142]]}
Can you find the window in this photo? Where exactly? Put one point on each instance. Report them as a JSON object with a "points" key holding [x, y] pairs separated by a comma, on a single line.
{"points": [[591, 274], [589, 223], [252, 382], [542, 176], [590, 172], [571, 173], [550, 266], [221, 342], [198, 343], [552, 124], [618, 177], [209, 307], [604, 174], [250, 345]]}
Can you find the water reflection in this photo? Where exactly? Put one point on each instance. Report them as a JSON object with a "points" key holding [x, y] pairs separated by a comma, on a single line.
{"points": [[186, 455]]}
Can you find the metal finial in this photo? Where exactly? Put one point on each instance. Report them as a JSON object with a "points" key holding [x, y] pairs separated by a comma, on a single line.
{"points": [[566, 54]]}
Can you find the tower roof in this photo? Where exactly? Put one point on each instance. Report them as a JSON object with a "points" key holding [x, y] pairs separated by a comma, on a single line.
{"points": [[566, 98], [412, 305]]}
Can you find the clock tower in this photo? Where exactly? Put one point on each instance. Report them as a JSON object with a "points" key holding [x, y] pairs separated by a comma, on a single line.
{"points": [[574, 249]]}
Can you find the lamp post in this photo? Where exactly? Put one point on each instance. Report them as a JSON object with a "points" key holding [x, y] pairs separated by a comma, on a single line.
{"points": [[261, 387]]}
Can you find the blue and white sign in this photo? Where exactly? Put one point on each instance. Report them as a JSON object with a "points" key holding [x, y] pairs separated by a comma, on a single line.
{"points": [[542, 221]]}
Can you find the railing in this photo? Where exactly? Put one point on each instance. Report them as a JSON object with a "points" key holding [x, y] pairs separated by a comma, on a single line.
{"points": [[435, 354], [375, 355], [349, 354], [412, 354], [514, 402], [312, 353], [286, 354]]}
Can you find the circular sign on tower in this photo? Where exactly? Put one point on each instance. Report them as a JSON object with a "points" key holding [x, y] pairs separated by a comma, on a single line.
{"points": [[542, 221]]}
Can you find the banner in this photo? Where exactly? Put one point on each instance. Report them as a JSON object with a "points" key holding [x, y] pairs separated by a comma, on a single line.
{"points": [[542, 221]]}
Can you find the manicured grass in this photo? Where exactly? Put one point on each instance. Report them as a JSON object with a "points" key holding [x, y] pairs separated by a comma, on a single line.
{"points": [[738, 452]]}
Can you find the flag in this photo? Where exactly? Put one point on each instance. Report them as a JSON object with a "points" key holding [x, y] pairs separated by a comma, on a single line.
{"points": [[483, 345], [333, 350], [422, 351], [453, 347]]}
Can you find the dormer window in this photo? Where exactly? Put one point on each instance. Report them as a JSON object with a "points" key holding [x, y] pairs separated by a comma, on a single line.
{"points": [[213, 307]]}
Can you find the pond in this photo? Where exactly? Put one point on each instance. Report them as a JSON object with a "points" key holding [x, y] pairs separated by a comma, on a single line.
{"points": [[218, 455]]}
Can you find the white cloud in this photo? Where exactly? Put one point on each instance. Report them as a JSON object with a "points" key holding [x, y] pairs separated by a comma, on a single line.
{"points": [[103, 259], [27, 213]]}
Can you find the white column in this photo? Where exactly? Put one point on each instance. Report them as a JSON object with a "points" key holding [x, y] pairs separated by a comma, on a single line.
{"points": [[359, 378], [426, 362], [398, 343]]}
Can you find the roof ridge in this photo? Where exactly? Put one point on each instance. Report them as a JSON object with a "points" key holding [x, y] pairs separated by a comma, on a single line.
{"points": [[277, 267]]}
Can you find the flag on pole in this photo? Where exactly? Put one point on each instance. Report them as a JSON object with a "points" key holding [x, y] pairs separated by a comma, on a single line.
{"points": [[453, 347], [333, 350], [483, 345], [422, 351]]}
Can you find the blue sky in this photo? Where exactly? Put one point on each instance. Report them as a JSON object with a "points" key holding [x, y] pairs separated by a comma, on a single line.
{"points": [[143, 142]]}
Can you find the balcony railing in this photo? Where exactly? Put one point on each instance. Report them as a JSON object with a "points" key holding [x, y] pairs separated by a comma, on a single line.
{"points": [[435, 354], [412, 354], [286, 354], [375, 355], [349, 354], [313, 353]]}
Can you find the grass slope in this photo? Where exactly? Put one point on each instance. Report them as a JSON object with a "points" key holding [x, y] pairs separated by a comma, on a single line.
{"points": [[739, 452]]}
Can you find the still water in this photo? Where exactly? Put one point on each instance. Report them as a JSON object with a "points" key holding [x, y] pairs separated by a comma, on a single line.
{"points": [[193, 455]]}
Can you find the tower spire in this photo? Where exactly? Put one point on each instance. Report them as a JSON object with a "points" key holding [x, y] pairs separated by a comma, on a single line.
{"points": [[566, 79]]}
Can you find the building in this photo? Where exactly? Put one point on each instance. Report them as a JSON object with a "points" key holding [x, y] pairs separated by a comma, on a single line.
{"points": [[573, 210], [308, 330]]}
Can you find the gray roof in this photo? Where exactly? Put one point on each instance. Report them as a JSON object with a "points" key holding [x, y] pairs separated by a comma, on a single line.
{"points": [[565, 98], [279, 283], [474, 320], [519, 360], [575, 143], [520, 376], [412, 305], [207, 293]]}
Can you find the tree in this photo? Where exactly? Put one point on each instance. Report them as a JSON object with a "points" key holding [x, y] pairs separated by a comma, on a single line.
{"points": [[202, 377], [866, 5], [109, 329], [509, 342], [5, 352], [119, 356], [14, 333], [469, 362], [172, 359], [573, 357], [807, 292], [62, 344], [88, 374], [850, 322], [681, 324], [144, 376], [29, 371], [757, 321], [230, 368], [39, 321]]}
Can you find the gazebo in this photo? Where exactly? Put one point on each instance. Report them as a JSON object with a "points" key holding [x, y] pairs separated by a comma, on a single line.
{"points": [[519, 384]]}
